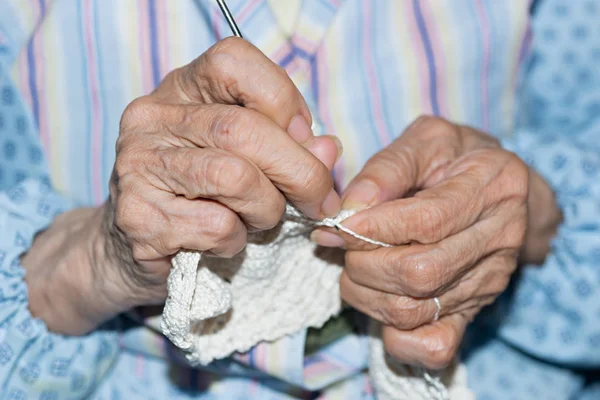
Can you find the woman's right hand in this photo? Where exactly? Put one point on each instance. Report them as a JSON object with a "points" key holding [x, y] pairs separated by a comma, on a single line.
{"points": [[212, 153]]}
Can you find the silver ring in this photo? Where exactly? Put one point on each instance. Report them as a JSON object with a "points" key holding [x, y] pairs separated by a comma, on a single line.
{"points": [[439, 309]]}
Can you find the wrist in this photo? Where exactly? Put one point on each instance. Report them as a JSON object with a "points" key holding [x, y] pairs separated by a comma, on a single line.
{"points": [[67, 288]]}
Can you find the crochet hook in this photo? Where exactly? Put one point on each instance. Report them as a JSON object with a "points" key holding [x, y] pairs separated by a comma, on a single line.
{"points": [[227, 14]]}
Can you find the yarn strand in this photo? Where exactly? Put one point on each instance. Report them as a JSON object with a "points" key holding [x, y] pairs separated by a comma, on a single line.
{"points": [[197, 315], [436, 387]]}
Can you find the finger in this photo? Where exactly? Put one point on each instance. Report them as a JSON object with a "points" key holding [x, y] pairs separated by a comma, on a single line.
{"points": [[405, 164], [476, 289], [433, 346], [327, 148], [217, 230], [423, 270], [469, 192], [235, 72], [402, 312], [430, 216], [221, 176], [302, 178], [159, 224], [415, 160]]}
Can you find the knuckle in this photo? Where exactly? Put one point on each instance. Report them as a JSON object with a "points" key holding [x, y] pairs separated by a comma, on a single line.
{"points": [[445, 137], [123, 165], [514, 234], [229, 46], [224, 228], [214, 67], [217, 66], [501, 282], [440, 349], [128, 217], [222, 53], [138, 114], [241, 173], [391, 313], [273, 216], [435, 126], [422, 119], [165, 243], [171, 160], [233, 128], [130, 159], [517, 177], [401, 312], [282, 96], [420, 276], [227, 175]]}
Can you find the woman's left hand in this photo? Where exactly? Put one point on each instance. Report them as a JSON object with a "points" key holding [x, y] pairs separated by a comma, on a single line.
{"points": [[454, 205]]}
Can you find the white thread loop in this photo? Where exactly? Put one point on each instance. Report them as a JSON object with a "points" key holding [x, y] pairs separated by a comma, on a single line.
{"points": [[336, 223], [436, 387]]}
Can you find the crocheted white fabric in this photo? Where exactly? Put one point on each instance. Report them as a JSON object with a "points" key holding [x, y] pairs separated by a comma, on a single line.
{"points": [[393, 380], [279, 285]]}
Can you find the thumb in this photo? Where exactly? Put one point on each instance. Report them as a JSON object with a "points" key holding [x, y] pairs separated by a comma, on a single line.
{"points": [[427, 145]]}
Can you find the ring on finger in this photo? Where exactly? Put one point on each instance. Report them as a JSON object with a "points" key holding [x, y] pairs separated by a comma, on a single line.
{"points": [[438, 310]]}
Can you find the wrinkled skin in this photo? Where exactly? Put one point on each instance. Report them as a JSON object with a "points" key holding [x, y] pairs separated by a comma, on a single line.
{"points": [[212, 153], [455, 206], [196, 170]]}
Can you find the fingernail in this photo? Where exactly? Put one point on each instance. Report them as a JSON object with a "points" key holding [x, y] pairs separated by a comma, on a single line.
{"points": [[299, 129], [331, 205], [338, 144], [327, 239], [360, 195]]}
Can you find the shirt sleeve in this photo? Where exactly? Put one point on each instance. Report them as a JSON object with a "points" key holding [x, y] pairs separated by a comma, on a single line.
{"points": [[35, 363], [18, 20], [553, 311]]}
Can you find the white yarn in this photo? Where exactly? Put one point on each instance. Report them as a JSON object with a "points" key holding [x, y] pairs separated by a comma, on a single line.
{"points": [[279, 285], [219, 306]]}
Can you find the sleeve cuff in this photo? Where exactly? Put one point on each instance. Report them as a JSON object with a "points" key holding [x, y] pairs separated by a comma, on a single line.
{"points": [[33, 361]]}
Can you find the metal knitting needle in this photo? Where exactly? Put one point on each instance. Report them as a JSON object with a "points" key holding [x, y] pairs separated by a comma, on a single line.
{"points": [[229, 18]]}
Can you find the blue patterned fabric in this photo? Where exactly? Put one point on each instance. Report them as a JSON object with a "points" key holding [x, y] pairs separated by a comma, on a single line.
{"points": [[547, 326], [20, 151], [33, 360]]}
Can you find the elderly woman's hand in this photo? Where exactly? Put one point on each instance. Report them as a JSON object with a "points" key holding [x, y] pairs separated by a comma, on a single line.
{"points": [[454, 205], [213, 152]]}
